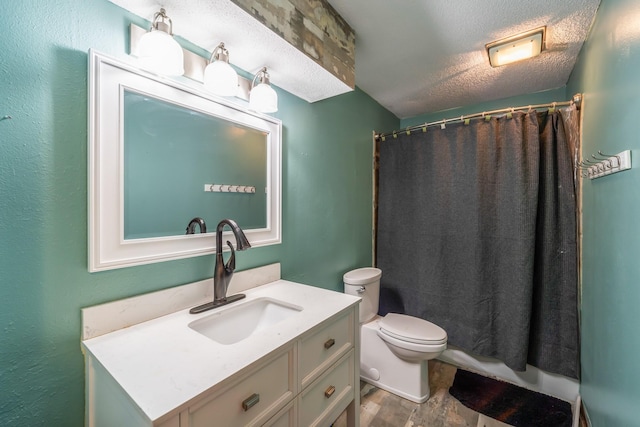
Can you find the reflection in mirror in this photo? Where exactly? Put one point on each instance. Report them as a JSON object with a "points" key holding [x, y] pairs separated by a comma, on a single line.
{"points": [[162, 153], [171, 153]]}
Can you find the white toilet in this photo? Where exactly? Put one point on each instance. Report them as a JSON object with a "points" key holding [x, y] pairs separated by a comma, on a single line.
{"points": [[394, 349]]}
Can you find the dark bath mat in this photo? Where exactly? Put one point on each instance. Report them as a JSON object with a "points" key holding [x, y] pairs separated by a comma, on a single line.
{"points": [[509, 403]]}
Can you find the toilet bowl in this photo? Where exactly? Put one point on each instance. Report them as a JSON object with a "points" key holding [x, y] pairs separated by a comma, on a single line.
{"points": [[411, 338], [394, 349]]}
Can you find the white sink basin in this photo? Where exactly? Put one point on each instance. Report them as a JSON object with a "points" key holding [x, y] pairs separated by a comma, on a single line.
{"points": [[237, 322]]}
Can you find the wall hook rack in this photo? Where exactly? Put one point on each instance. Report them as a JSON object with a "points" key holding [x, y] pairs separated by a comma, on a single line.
{"points": [[606, 164], [229, 188]]}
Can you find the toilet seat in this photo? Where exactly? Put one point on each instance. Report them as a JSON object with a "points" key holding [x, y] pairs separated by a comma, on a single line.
{"points": [[409, 329]]}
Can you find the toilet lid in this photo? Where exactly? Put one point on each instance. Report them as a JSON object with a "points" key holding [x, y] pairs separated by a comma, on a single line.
{"points": [[412, 329], [362, 276]]}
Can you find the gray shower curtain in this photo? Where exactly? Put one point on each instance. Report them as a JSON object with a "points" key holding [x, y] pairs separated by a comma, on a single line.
{"points": [[477, 233]]}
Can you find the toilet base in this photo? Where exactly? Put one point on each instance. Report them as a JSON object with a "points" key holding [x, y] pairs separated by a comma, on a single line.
{"points": [[383, 369], [401, 393]]}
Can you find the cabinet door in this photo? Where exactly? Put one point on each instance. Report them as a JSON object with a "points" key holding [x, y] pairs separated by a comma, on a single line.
{"points": [[323, 347], [250, 401], [329, 395]]}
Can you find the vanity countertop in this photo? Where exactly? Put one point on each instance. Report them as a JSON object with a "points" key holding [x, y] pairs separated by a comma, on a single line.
{"points": [[162, 363]]}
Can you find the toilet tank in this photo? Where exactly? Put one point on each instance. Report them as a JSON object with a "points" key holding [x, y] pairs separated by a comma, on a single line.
{"points": [[365, 283]]}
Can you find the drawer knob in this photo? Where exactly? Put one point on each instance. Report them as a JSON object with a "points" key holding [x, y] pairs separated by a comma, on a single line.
{"points": [[330, 342], [250, 401], [329, 391]]}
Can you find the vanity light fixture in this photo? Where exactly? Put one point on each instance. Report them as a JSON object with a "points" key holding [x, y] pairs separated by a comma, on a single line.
{"points": [[219, 77], [516, 48], [263, 97], [158, 51]]}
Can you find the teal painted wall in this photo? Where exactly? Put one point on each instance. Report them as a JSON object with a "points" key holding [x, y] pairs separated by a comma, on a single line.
{"points": [[608, 73], [43, 202]]}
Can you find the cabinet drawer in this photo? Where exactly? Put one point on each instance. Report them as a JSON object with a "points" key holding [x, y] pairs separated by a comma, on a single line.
{"points": [[323, 347], [173, 422], [285, 418], [252, 400], [329, 395]]}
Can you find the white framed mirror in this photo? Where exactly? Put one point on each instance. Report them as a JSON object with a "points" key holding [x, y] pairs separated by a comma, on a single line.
{"points": [[162, 153]]}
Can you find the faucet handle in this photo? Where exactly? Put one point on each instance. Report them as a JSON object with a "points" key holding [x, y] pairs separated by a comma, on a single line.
{"points": [[231, 263]]}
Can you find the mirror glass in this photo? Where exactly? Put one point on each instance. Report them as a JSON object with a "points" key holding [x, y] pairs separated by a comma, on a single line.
{"points": [[172, 155], [161, 153]]}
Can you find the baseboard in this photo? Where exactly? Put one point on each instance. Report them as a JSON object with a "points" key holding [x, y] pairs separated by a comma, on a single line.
{"points": [[585, 421], [576, 411]]}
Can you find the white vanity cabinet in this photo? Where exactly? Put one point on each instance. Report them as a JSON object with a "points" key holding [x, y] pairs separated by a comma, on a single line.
{"points": [[249, 400], [307, 379], [325, 354]]}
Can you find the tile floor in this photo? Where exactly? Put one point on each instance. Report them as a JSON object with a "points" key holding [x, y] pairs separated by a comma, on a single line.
{"points": [[379, 408]]}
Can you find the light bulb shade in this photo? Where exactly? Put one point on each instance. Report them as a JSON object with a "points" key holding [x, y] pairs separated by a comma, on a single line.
{"points": [[221, 79], [159, 53], [516, 48], [263, 98]]}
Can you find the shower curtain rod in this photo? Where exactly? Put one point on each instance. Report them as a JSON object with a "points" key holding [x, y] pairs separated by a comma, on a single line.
{"points": [[576, 100]]}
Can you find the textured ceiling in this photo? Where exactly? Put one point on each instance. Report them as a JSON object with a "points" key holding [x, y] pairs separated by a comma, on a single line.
{"points": [[417, 57], [412, 56]]}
